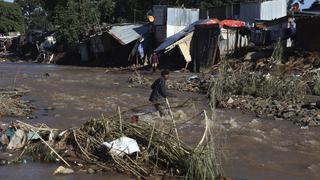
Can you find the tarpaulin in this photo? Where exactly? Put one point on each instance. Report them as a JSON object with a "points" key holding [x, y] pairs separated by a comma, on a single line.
{"points": [[232, 23]]}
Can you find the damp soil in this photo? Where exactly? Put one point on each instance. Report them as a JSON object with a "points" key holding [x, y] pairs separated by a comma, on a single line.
{"points": [[66, 96]]}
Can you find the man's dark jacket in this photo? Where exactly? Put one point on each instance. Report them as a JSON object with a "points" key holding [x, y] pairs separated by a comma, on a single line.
{"points": [[159, 91]]}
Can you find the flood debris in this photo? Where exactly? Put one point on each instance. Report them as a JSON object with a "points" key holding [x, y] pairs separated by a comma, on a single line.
{"points": [[122, 146], [143, 149], [12, 104], [18, 140]]}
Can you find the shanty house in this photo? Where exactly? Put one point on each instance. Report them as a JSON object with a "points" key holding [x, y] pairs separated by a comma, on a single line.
{"points": [[114, 46], [266, 32]]}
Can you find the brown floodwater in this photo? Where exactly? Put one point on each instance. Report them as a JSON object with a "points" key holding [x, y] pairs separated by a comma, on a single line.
{"points": [[66, 96]]}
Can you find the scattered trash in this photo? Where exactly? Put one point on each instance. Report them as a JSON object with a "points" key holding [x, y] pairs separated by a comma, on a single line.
{"points": [[193, 77], [62, 171], [230, 101], [32, 136], [18, 141], [122, 146]]}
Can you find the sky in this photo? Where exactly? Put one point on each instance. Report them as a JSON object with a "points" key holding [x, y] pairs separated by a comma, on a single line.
{"points": [[307, 3]]}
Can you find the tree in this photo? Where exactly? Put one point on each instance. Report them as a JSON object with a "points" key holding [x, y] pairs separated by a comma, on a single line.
{"points": [[74, 19], [36, 17], [106, 9], [11, 18], [67, 22]]}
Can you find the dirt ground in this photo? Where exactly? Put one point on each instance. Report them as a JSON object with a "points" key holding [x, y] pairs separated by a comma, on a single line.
{"points": [[66, 97]]}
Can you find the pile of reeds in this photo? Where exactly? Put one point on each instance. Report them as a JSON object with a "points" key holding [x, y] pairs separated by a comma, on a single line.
{"points": [[162, 153]]}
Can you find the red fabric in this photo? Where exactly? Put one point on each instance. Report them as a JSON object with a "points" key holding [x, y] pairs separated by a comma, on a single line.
{"points": [[232, 23]]}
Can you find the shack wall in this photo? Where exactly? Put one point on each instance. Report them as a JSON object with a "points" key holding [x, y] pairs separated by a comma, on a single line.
{"points": [[249, 11], [178, 19], [268, 10], [159, 12], [308, 36], [227, 41], [273, 9]]}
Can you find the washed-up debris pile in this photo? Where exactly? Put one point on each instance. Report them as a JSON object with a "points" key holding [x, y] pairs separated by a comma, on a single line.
{"points": [[12, 104], [191, 84], [140, 149], [138, 80], [273, 94], [278, 110]]}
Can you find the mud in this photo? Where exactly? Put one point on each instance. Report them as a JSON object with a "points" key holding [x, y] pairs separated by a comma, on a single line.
{"points": [[65, 97]]}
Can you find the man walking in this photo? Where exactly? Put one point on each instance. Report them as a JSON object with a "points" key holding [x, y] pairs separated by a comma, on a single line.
{"points": [[159, 93]]}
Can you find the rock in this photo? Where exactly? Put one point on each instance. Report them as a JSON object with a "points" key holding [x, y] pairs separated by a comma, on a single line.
{"points": [[181, 115], [63, 170], [18, 140], [233, 123], [313, 123], [289, 115], [278, 119], [91, 171], [230, 101], [314, 167]]}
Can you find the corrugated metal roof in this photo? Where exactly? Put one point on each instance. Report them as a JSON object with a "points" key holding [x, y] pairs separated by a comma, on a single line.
{"points": [[126, 34]]}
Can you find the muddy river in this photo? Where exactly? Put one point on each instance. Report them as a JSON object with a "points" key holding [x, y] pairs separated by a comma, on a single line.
{"points": [[67, 96]]}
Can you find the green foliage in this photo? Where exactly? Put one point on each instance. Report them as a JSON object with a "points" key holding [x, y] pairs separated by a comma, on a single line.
{"points": [[35, 15], [287, 87], [106, 9], [74, 19], [11, 18], [67, 22]]}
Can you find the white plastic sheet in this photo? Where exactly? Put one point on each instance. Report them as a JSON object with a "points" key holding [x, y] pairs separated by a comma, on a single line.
{"points": [[122, 146]]}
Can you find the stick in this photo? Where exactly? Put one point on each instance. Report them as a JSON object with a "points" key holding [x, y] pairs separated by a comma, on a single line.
{"points": [[120, 119], [206, 130], [174, 122], [151, 136], [31, 128]]}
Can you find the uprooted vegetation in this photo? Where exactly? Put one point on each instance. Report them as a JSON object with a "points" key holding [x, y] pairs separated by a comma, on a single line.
{"points": [[162, 153], [269, 93]]}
